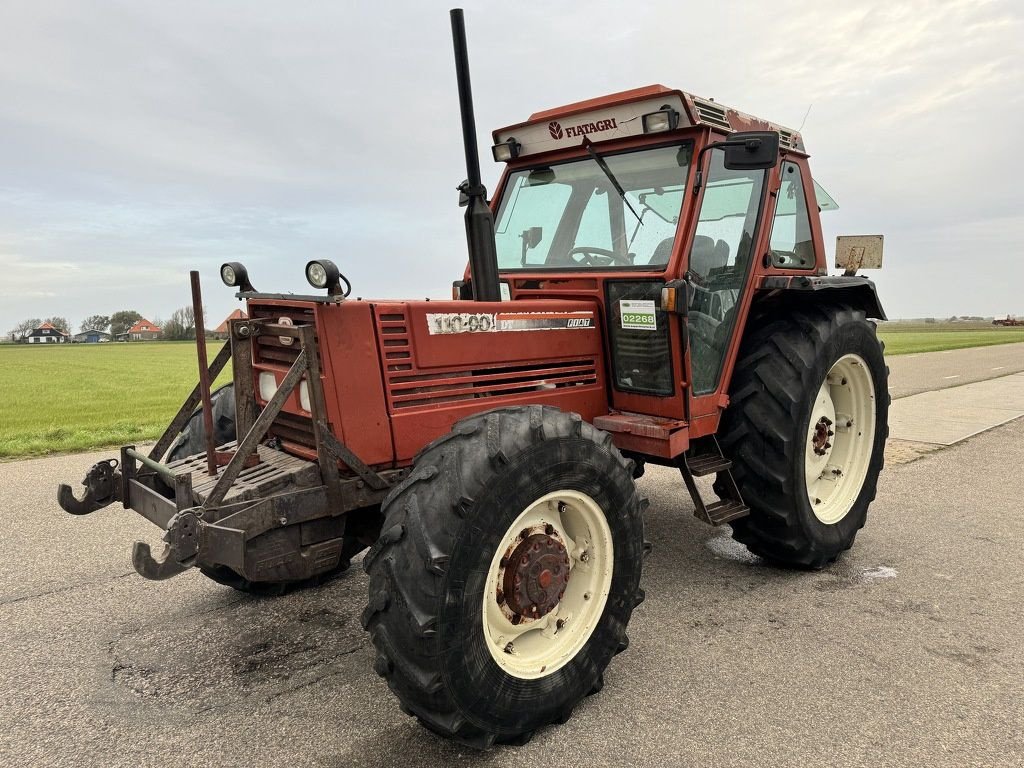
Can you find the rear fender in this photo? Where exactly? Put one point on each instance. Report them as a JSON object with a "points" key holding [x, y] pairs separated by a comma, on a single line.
{"points": [[856, 291]]}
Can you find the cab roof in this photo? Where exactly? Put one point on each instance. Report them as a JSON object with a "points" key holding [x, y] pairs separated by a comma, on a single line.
{"points": [[620, 114]]}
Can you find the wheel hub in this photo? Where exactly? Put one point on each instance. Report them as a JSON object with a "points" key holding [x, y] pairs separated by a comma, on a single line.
{"points": [[536, 576], [822, 433]]}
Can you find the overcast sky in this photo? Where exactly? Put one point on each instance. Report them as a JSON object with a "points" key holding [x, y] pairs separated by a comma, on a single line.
{"points": [[141, 139]]}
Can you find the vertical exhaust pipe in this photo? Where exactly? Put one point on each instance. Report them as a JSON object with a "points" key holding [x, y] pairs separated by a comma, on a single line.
{"points": [[483, 253]]}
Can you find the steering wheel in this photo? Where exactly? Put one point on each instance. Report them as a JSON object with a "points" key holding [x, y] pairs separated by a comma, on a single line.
{"points": [[589, 255]]}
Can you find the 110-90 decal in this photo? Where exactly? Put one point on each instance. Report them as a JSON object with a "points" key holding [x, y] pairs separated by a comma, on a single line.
{"points": [[445, 323]]}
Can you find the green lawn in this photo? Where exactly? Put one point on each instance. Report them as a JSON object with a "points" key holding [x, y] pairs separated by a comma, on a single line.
{"points": [[64, 398], [907, 338], [59, 398]]}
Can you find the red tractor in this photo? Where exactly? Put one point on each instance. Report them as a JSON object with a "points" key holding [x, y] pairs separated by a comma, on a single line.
{"points": [[647, 284]]}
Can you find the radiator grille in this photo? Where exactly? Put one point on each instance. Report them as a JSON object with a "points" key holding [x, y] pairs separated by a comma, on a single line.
{"points": [[270, 349], [409, 386], [291, 428]]}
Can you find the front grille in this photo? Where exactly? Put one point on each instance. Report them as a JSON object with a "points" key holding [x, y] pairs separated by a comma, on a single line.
{"points": [[270, 349], [291, 428]]}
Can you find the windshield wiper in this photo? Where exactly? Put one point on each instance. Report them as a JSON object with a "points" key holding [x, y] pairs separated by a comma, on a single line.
{"points": [[611, 177]]}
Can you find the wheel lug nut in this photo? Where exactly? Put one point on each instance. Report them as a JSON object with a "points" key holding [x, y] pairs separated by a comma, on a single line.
{"points": [[509, 648]]}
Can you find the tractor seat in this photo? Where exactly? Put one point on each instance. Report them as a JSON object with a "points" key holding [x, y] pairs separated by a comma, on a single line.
{"points": [[702, 255], [663, 252]]}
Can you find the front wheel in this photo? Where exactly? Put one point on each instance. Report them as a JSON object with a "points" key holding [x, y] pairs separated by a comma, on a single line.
{"points": [[806, 429], [506, 573]]}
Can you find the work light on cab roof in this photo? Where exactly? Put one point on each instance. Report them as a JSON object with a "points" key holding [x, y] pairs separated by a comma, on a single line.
{"points": [[648, 283]]}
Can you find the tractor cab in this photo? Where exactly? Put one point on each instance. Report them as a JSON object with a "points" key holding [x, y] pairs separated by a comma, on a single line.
{"points": [[669, 211]]}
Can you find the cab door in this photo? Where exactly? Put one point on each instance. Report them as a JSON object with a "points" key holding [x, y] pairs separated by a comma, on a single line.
{"points": [[718, 272]]}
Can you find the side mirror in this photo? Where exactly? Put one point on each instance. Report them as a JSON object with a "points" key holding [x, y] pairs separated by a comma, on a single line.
{"points": [[751, 151], [532, 237]]}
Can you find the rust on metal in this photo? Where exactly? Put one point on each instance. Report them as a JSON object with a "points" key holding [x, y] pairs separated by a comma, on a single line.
{"points": [[538, 577], [204, 373], [822, 433]]}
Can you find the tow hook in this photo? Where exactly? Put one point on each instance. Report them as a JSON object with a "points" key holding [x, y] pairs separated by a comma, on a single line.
{"points": [[180, 548], [102, 487]]}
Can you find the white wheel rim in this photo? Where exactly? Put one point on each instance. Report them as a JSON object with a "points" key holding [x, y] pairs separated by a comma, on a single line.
{"points": [[840, 439], [535, 647]]}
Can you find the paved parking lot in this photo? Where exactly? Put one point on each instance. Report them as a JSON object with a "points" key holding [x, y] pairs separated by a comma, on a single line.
{"points": [[906, 652]]}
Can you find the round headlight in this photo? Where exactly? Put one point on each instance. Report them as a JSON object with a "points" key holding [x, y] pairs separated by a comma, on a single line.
{"points": [[324, 274], [316, 274], [235, 275]]}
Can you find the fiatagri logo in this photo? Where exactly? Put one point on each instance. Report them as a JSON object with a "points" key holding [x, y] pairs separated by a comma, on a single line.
{"points": [[583, 129]]}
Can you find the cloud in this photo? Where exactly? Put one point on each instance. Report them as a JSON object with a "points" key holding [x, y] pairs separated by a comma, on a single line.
{"points": [[142, 140]]}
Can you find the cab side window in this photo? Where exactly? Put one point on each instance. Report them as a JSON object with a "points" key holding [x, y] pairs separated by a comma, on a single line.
{"points": [[791, 245]]}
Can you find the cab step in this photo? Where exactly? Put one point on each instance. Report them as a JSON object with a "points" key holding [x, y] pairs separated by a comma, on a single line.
{"points": [[705, 458], [708, 464], [725, 510]]}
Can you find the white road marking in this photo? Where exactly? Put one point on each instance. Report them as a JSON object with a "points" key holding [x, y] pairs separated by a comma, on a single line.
{"points": [[999, 368], [957, 376]]}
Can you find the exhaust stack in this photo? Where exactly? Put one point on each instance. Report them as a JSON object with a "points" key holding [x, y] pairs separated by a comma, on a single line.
{"points": [[483, 253]]}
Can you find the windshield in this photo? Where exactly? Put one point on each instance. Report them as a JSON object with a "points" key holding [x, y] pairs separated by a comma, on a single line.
{"points": [[571, 216]]}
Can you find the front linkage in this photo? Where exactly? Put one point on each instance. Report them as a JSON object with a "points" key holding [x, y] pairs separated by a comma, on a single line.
{"points": [[251, 516]]}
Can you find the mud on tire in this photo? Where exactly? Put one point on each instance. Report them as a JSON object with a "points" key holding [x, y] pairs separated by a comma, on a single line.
{"points": [[780, 367], [428, 571]]}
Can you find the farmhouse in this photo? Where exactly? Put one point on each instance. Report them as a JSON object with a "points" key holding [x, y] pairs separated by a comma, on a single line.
{"points": [[222, 330], [46, 334], [143, 330], [91, 336]]}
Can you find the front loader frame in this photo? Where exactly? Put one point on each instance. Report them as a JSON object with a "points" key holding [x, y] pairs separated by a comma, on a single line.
{"points": [[209, 520]]}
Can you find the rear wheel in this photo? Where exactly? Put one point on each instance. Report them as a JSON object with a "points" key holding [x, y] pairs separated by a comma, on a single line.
{"points": [[806, 429], [507, 571], [192, 439]]}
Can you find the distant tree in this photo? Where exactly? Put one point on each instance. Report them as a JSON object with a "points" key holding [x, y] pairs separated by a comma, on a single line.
{"points": [[60, 323], [929, 319], [121, 321], [19, 331], [182, 325], [96, 323]]}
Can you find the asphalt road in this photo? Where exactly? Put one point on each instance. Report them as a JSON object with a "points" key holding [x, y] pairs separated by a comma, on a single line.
{"points": [[906, 652], [910, 374]]}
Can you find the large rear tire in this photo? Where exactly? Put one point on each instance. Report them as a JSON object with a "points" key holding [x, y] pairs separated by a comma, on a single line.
{"points": [[806, 428], [506, 573], [192, 439]]}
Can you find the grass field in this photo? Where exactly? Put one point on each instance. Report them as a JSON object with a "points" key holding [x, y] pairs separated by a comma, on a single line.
{"points": [[905, 338], [76, 397]]}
